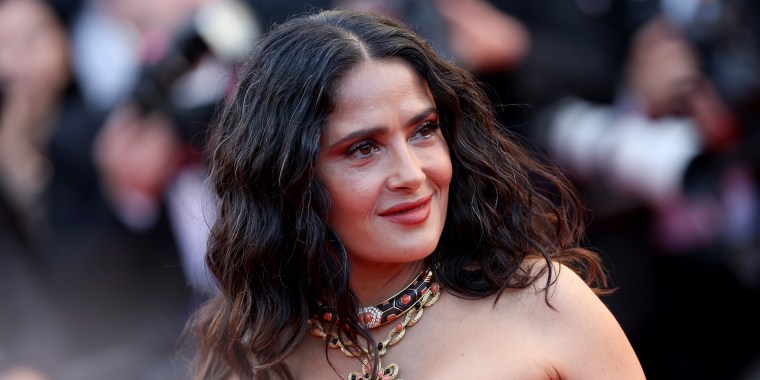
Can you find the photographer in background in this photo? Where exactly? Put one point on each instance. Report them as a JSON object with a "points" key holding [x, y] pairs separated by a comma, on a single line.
{"points": [[149, 150], [34, 77], [107, 109]]}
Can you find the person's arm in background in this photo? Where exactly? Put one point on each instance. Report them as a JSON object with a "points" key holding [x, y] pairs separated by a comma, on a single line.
{"points": [[482, 38]]}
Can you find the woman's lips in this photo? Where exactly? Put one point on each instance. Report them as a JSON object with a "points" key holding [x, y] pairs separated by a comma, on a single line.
{"points": [[409, 212]]}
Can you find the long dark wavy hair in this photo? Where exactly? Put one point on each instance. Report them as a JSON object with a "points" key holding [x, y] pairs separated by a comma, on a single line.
{"points": [[271, 249]]}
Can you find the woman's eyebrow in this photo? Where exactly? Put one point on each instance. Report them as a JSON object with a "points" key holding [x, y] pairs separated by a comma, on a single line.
{"points": [[359, 134], [422, 115]]}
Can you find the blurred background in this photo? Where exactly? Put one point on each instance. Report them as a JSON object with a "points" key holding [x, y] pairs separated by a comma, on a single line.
{"points": [[651, 107]]}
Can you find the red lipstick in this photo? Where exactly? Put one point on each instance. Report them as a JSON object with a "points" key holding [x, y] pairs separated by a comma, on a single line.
{"points": [[408, 212]]}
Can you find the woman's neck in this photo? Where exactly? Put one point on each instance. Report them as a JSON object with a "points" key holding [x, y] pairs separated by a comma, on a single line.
{"points": [[375, 282]]}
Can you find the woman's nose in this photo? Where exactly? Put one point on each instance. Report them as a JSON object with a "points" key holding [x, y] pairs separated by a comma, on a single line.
{"points": [[406, 171]]}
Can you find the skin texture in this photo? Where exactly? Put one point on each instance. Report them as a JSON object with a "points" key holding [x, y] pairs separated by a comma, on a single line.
{"points": [[380, 155]]}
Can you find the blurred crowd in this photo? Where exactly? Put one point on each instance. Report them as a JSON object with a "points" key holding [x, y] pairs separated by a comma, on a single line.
{"points": [[651, 107]]}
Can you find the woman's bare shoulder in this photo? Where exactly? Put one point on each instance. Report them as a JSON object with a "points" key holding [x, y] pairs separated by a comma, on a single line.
{"points": [[573, 335], [574, 326]]}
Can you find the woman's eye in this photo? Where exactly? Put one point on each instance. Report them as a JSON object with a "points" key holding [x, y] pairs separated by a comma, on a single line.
{"points": [[362, 149], [427, 129]]}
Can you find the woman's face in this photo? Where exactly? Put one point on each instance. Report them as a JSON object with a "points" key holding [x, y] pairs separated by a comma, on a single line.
{"points": [[385, 164]]}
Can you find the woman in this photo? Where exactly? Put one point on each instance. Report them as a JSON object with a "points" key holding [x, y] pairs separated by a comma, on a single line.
{"points": [[354, 166]]}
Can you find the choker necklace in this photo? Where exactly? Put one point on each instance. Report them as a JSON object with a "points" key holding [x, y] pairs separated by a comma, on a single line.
{"points": [[412, 301], [390, 309]]}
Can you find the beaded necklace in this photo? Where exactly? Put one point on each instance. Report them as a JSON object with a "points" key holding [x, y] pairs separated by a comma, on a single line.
{"points": [[411, 302]]}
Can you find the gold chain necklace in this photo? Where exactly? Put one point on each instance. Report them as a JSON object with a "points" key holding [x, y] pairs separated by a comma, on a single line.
{"points": [[427, 295]]}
